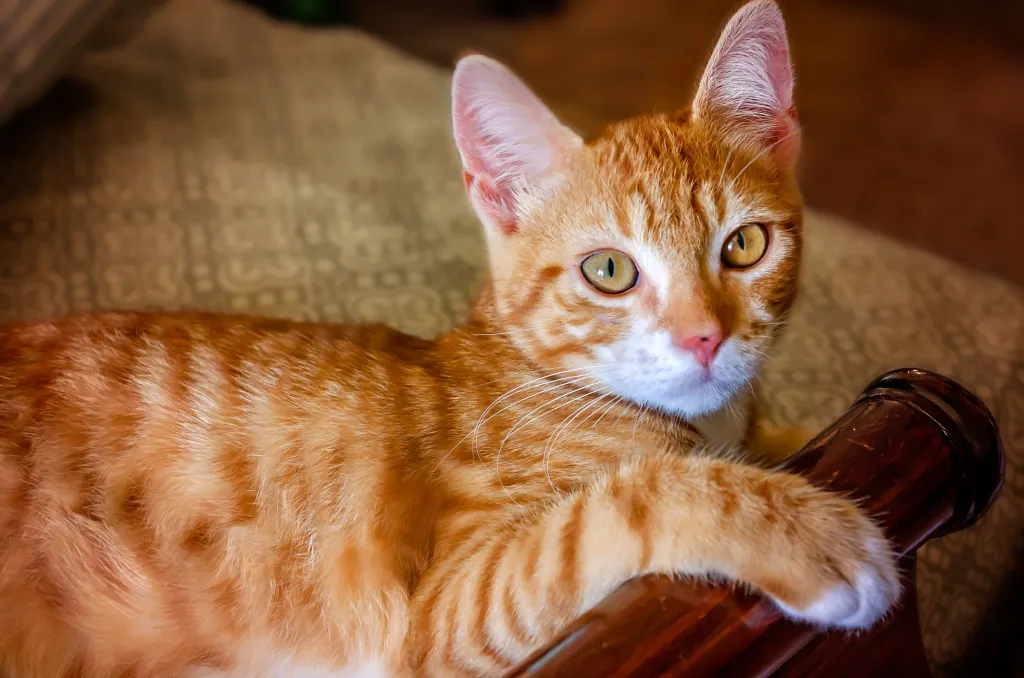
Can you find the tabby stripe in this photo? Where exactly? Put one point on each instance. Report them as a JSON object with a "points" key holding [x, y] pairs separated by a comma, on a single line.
{"points": [[623, 218], [531, 561], [482, 598], [436, 611], [426, 610], [171, 376], [448, 622], [697, 204], [464, 534], [554, 352], [232, 428], [513, 616], [638, 517], [568, 584], [641, 191], [544, 278], [717, 486]]}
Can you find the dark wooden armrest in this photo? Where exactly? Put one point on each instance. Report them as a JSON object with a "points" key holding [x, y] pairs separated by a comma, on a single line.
{"points": [[917, 450]]}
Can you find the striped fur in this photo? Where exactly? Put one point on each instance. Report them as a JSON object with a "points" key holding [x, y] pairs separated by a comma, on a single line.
{"points": [[213, 495]]}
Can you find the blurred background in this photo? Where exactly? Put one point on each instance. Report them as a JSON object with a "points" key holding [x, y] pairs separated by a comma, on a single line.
{"points": [[913, 110]]}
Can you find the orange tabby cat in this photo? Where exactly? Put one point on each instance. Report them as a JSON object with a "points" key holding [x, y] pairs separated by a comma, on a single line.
{"points": [[204, 495]]}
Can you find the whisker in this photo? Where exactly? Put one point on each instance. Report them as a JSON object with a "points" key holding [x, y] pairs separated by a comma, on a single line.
{"points": [[525, 420], [553, 438], [536, 373], [545, 386], [533, 383], [565, 424], [549, 444], [584, 420], [613, 403], [761, 382], [725, 166], [557, 382], [636, 421], [730, 407]]}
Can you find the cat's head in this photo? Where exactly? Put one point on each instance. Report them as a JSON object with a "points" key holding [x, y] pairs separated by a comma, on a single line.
{"points": [[658, 260]]}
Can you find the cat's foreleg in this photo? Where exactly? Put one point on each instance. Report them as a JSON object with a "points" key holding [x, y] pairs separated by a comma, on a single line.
{"points": [[513, 587]]}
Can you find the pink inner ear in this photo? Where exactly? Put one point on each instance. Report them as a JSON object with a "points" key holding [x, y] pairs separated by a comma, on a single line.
{"points": [[780, 71], [748, 83], [482, 176], [485, 170], [480, 150], [507, 138], [496, 202]]}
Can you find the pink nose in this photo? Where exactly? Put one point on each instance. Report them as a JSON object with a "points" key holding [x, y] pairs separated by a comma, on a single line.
{"points": [[703, 346]]}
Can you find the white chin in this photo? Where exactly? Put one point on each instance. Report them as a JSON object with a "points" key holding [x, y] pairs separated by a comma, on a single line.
{"points": [[693, 400], [702, 402]]}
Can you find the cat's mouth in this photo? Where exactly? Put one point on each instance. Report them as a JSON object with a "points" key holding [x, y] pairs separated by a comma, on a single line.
{"points": [[691, 384]]}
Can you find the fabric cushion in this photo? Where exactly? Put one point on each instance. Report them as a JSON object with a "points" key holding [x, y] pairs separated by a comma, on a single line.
{"points": [[222, 161]]}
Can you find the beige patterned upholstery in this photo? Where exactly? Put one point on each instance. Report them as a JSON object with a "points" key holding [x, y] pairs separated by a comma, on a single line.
{"points": [[221, 161]]}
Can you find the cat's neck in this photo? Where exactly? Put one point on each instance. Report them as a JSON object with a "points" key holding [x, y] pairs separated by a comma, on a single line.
{"points": [[483, 315], [483, 333], [485, 352]]}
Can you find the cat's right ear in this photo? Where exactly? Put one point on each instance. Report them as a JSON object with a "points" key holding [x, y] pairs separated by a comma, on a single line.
{"points": [[513, 148], [747, 88]]}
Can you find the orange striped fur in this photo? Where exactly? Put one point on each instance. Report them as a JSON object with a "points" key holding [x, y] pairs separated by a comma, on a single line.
{"points": [[211, 495]]}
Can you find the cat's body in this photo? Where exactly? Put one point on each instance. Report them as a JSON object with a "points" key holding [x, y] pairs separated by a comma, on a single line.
{"points": [[217, 478], [211, 495]]}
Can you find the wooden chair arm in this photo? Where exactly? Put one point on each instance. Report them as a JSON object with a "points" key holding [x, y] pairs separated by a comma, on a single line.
{"points": [[920, 453]]}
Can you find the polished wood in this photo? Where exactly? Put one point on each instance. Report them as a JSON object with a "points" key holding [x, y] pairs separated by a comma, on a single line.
{"points": [[919, 451]]}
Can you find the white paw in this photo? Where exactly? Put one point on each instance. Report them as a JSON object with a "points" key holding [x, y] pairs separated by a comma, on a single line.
{"points": [[874, 590]]}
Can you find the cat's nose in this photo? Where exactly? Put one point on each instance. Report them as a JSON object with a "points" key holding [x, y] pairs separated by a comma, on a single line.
{"points": [[703, 346]]}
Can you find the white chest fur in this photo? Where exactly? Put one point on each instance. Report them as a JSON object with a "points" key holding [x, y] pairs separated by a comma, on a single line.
{"points": [[728, 426]]}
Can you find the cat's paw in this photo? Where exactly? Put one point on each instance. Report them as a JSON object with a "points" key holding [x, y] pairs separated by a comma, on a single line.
{"points": [[857, 600], [841, 571]]}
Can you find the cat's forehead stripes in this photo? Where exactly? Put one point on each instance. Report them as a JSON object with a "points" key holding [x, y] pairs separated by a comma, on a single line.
{"points": [[648, 163], [645, 142], [675, 187]]}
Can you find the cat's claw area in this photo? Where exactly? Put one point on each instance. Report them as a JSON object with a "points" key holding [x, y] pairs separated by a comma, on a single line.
{"points": [[857, 604]]}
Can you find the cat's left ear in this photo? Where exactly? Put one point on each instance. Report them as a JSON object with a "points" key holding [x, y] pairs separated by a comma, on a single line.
{"points": [[747, 87], [513, 148]]}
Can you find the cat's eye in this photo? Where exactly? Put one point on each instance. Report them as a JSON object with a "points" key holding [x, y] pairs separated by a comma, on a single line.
{"points": [[610, 272], [745, 246]]}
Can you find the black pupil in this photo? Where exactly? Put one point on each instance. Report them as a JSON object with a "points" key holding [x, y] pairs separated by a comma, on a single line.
{"points": [[611, 267], [741, 241]]}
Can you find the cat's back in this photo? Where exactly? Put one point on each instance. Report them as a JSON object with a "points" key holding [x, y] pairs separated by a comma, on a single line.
{"points": [[165, 383], [134, 354], [204, 454]]}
